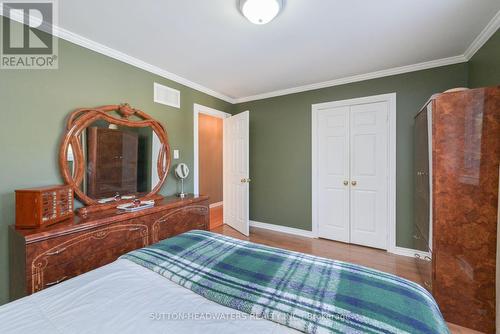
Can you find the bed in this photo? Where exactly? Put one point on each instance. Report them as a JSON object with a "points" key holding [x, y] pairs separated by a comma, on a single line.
{"points": [[205, 282]]}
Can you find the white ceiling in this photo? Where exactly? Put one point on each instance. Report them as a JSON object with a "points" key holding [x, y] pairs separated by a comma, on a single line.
{"points": [[209, 43]]}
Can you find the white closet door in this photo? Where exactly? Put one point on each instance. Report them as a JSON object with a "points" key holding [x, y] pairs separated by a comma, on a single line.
{"points": [[333, 173], [369, 174]]}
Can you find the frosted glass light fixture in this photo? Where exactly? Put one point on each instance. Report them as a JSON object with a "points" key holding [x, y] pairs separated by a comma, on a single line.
{"points": [[260, 11]]}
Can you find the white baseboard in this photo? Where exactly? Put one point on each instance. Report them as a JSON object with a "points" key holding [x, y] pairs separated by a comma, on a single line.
{"points": [[309, 234], [408, 252], [282, 229]]}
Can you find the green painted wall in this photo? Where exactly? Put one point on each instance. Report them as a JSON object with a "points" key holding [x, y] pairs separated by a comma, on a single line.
{"points": [[35, 103], [280, 144], [484, 66]]}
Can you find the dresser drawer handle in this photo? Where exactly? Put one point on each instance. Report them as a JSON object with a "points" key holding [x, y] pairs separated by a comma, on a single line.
{"points": [[56, 282], [427, 284], [57, 252], [427, 258], [417, 256], [134, 229]]}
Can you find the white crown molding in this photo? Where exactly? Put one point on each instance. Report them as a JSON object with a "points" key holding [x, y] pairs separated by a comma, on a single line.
{"points": [[123, 57], [478, 42], [483, 36], [358, 78], [110, 52]]}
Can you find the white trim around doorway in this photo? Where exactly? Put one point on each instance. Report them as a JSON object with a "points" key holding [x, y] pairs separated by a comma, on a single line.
{"points": [[200, 109], [391, 100]]}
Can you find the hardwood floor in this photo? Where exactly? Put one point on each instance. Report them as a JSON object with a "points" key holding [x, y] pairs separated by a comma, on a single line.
{"points": [[374, 258]]}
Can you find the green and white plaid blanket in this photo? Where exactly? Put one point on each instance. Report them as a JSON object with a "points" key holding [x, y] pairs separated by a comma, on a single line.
{"points": [[304, 292]]}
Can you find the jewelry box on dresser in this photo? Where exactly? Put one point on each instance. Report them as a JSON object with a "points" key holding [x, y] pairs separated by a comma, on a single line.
{"points": [[457, 156], [43, 206], [44, 256]]}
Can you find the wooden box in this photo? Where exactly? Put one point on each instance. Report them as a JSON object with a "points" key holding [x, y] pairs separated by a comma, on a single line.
{"points": [[37, 207]]}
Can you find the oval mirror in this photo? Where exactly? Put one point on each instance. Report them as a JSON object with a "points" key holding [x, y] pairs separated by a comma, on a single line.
{"points": [[114, 153]]}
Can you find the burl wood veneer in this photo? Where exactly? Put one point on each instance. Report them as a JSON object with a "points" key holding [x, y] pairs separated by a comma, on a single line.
{"points": [[37, 207], [114, 157], [44, 257], [465, 167]]}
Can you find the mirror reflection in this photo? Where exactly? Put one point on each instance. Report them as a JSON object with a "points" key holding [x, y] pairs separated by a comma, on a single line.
{"points": [[70, 158], [120, 161]]}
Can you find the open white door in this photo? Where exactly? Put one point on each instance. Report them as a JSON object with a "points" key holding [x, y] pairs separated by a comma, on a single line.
{"points": [[236, 172]]}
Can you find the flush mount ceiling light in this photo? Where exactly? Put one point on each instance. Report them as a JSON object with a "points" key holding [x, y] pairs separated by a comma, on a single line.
{"points": [[260, 11]]}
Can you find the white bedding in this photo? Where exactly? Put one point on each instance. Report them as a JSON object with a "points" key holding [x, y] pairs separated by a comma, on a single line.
{"points": [[123, 297]]}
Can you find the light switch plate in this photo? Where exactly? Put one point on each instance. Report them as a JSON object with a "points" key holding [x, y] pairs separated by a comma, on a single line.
{"points": [[176, 154]]}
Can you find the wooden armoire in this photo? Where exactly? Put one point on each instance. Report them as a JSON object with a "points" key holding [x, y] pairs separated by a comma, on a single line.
{"points": [[112, 162], [457, 154]]}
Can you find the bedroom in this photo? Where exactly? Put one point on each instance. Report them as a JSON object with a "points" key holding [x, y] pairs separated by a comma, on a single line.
{"points": [[297, 97]]}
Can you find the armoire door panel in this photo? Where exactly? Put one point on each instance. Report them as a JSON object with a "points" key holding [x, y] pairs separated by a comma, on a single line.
{"points": [[333, 172], [465, 132], [368, 173]]}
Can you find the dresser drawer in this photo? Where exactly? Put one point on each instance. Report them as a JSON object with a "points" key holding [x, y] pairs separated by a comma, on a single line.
{"points": [[51, 275], [64, 249], [177, 221], [43, 257]]}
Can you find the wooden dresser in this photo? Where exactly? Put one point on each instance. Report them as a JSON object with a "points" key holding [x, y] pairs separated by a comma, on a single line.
{"points": [[40, 258], [457, 157]]}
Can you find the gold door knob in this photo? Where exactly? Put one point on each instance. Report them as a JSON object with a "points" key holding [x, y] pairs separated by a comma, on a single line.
{"points": [[243, 180], [354, 183], [346, 183], [249, 180]]}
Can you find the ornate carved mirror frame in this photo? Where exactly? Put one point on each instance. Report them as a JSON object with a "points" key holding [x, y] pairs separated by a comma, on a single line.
{"points": [[123, 115]]}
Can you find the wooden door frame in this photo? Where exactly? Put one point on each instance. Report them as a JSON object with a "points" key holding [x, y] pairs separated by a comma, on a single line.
{"points": [[201, 109], [391, 182]]}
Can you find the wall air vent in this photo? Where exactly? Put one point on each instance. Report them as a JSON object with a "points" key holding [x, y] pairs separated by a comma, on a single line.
{"points": [[167, 96]]}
